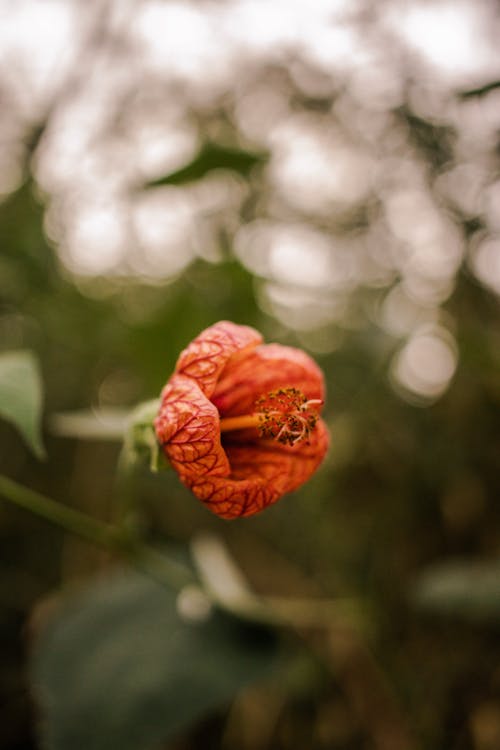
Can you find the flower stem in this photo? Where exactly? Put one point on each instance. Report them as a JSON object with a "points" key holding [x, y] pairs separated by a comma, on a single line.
{"points": [[113, 538], [71, 520], [162, 568]]}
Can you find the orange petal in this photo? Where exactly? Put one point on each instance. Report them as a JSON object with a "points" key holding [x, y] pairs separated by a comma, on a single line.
{"points": [[205, 357], [281, 468], [304, 458], [187, 427], [248, 473], [235, 498], [244, 479], [265, 368]]}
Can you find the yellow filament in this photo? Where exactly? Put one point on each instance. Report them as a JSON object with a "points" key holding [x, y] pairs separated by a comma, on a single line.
{"points": [[240, 423]]}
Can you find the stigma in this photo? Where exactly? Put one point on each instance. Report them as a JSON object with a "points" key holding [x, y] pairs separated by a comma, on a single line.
{"points": [[284, 415]]}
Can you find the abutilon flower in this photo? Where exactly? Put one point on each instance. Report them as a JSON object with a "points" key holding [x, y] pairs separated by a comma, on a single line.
{"points": [[239, 419]]}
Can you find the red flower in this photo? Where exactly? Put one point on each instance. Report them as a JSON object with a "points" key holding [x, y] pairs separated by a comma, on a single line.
{"points": [[239, 419]]}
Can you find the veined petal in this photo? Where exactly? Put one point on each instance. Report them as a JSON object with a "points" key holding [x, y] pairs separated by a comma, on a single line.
{"points": [[207, 355], [304, 458], [265, 368], [187, 427], [266, 470], [225, 371], [238, 497]]}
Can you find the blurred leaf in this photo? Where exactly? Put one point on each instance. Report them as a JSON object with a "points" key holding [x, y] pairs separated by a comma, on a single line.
{"points": [[212, 156], [21, 396], [105, 424], [224, 580], [461, 589], [121, 668]]}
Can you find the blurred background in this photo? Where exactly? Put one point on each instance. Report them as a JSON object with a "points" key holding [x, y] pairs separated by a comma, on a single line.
{"points": [[328, 172]]}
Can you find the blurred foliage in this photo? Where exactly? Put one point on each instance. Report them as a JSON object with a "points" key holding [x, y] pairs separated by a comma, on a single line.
{"points": [[409, 485], [155, 670], [21, 396], [471, 591]]}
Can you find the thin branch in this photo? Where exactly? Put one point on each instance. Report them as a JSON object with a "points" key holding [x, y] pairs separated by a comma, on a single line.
{"points": [[479, 91], [113, 538]]}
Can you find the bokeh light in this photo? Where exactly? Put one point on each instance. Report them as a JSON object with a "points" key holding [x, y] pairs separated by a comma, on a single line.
{"points": [[342, 197], [426, 363], [345, 200]]}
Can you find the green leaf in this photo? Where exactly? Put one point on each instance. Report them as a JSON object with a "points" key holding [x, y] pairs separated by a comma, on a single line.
{"points": [[461, 589], [21, 396], [119, 667], [212, 156]]}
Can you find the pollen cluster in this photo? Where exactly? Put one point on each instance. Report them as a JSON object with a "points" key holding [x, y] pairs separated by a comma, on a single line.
{"points": [[286, 415]]}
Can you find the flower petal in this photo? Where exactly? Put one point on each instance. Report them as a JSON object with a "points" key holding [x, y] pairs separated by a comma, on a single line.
{"points": [[207, 355], [264, 369], [223, 372], [187, 427], [235, 498], [280, 467], [305, 457], [241, 480]]}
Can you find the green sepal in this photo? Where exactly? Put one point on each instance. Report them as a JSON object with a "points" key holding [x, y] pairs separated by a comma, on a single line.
{"points": [[141, 444]]}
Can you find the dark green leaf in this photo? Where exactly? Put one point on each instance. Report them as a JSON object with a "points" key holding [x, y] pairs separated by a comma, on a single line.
{"points": [[21, 396], [210, 157], [120, 668], [467, 590]]}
